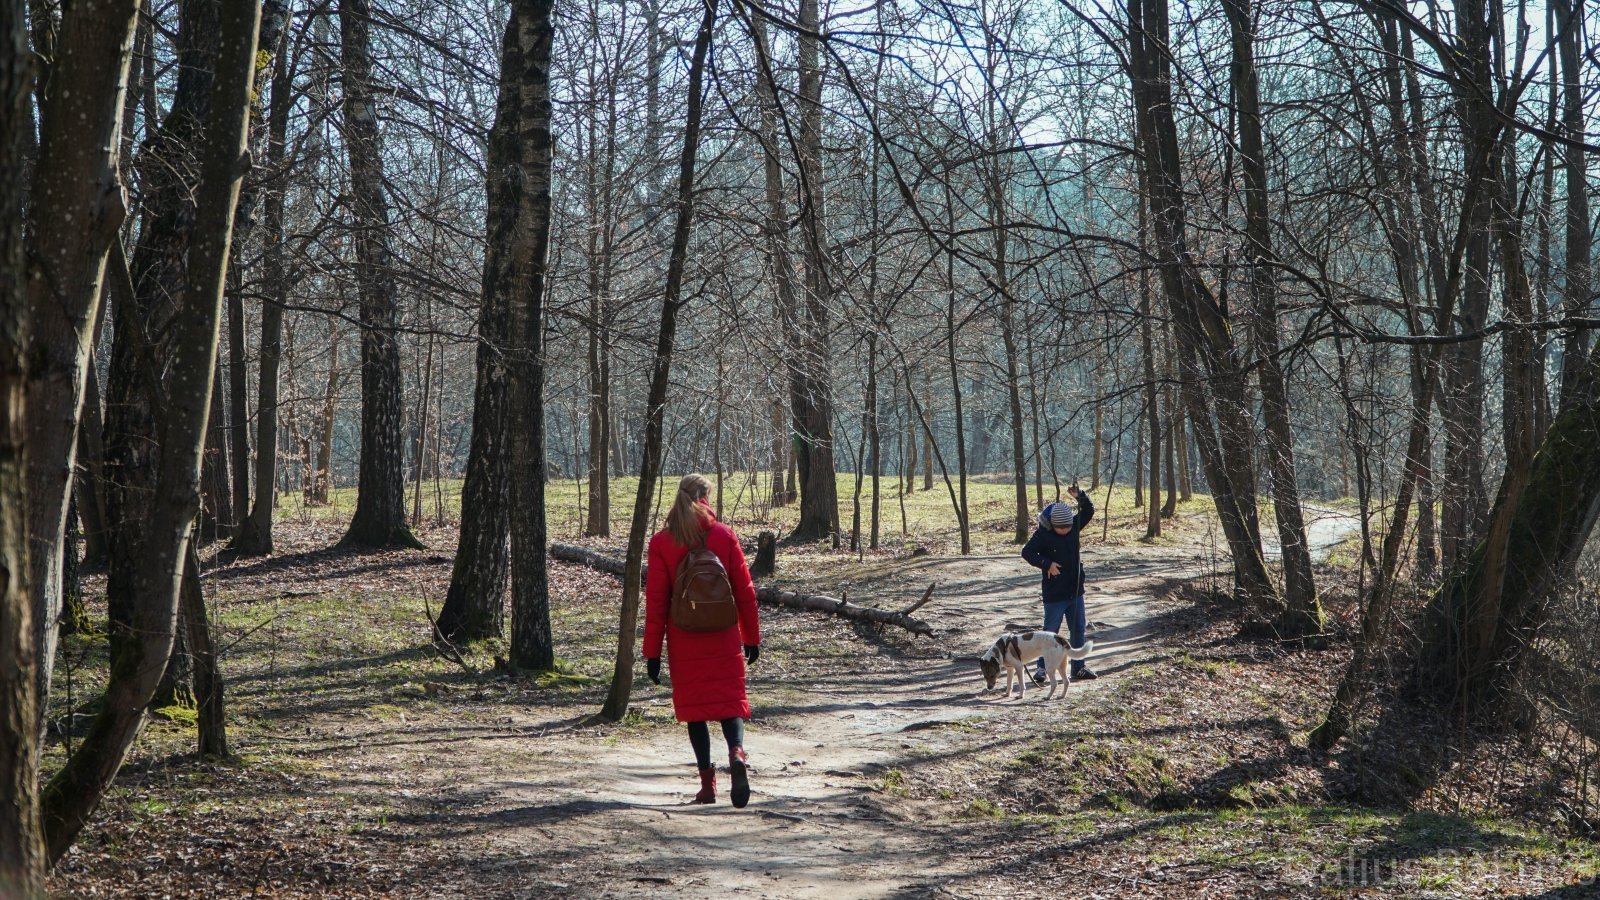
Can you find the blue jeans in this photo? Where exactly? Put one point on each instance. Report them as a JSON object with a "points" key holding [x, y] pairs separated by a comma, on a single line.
{"points": [[1077, 623]]}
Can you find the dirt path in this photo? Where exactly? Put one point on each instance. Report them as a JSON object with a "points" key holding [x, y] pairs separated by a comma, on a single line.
{"points": [[1326, 528], [613, 814]]}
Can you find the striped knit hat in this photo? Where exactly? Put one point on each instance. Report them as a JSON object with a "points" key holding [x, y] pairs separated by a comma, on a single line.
{"points": [[1056, 515]]}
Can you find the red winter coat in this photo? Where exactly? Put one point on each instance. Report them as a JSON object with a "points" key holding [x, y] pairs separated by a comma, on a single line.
{"points": [[707, 666]]}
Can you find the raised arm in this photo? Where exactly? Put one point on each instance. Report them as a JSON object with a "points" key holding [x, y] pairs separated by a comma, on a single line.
{"points": [[1085, 510]]}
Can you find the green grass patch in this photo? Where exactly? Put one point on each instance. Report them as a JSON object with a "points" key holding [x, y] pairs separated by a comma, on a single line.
{"points": [[928, 514]]}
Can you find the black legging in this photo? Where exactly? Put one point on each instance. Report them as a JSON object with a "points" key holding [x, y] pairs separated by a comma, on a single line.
{"points": [[700, 738]]}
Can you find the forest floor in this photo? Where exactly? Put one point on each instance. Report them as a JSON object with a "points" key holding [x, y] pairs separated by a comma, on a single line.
{"points": [[366, 765]]}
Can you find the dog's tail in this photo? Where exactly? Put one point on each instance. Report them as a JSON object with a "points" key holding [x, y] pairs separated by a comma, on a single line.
{"points": [[1075, 652]]}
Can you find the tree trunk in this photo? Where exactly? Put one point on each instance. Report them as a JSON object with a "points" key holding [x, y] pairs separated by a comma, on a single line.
{"points": [[318, 490], [143, 584], [1098, 438], [779, 264], [78, 204], [216, 492], [928, 452], [74, 615], [1302, 615], [380, 516], [599, 521], [474, 607], [91, 470], [880, 325], [1408, 119], [1033, 418], [1181, 439], [211, 721], [1152, 414], [144, 315], [238, 438], [616, 704], [765, 565], [602, 225], [527, 254], [995, 187], [1174, 421], [1462, 409], [21, 841], [779, 452], [1580, 240], [959, 499], [255, 534], [269, 41], [419, 447], [1207, 353], [811, 382], [912, 436], [1483, 620], [874, 440]]}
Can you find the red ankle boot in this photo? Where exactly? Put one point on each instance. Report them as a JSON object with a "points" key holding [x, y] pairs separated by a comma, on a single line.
{"points": [[708, 786], [738, 772]]}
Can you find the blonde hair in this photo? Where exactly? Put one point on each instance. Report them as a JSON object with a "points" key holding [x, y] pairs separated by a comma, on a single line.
{"points": [[688, 519]]}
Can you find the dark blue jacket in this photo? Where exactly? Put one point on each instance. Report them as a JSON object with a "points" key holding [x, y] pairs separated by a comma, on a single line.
{"points": [[1046, 547]]}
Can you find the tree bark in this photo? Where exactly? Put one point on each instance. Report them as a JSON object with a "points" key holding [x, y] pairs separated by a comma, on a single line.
{"points": [[1465, 497], [91, 468], [255, 535], [216, 493], [527, 252], [21, 840], [1302, 615], [238, 399], [78, 205], [602, 229], [211, 721], [1174, 422], [270, 41], [1098, 449], [776, 240], [811, 382], [143, 584], [1580, 241], [474, 607], [320, 486], [157, 275], [1483, 620], [1481, 623], [1208, 357], [380, 516], [1152, 415], [950, 344], [616, 704], [874, 442]]}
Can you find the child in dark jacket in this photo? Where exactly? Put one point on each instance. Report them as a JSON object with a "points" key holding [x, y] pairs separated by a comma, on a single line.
{"points": [[1053, 549]]}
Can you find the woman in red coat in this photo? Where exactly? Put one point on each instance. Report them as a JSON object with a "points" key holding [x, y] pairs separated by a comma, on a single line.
{"points": [[707, 666]]}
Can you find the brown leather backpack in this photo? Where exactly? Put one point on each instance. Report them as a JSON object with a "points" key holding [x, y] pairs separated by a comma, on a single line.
{"points": [[702, 598]]}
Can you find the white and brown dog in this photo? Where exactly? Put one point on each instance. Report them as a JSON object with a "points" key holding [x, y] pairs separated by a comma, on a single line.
{"points": [[1014, 651]]}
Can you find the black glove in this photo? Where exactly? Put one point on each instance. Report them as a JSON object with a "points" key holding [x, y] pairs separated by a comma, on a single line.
{"points": [[652, 667], [752, 652]]}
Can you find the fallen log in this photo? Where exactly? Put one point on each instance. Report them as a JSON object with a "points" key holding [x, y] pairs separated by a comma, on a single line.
{"points": [[926, 596], [769, 595]]}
